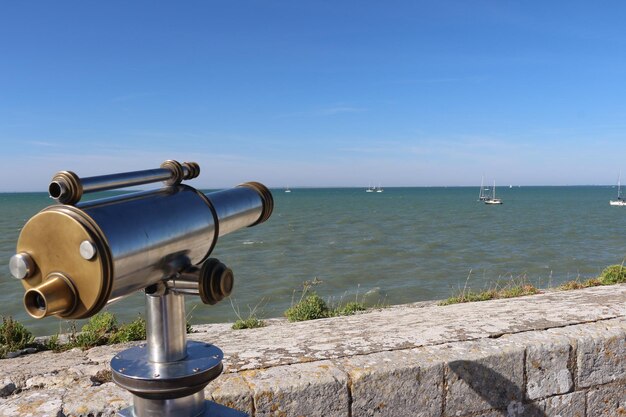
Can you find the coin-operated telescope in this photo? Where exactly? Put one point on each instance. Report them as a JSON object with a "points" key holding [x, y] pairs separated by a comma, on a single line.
{"points": [[75, 258]]}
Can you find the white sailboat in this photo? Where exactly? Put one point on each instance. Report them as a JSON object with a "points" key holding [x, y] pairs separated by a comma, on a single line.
{"points": [[369, 189], [482, 196], [493, 199], [620, 200]]}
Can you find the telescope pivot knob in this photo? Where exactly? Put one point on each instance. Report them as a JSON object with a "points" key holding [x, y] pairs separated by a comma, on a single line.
{"points": [[216, 281]]}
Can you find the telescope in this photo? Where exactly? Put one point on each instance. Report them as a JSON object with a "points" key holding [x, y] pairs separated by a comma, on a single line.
{"points": [[74, 258]]}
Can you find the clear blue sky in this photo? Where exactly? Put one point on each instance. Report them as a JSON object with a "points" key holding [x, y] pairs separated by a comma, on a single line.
{"points": [[315, 93]]}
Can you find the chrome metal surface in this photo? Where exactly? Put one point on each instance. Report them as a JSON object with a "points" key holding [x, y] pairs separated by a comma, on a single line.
{"points": [[236, 208], [132, 371], [133, 363], [21, 265], [145, 231], [212, 282], [211, 409], [87, 250], [166, 331], [124, 179], [191, 405], [68, 188]]}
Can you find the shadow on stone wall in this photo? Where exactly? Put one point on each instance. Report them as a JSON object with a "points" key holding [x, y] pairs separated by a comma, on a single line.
{"points": [[495, 389]]}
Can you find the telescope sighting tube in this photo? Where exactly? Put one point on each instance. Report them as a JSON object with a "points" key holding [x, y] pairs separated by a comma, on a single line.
{"points": [[67, 188], [74, 260]]}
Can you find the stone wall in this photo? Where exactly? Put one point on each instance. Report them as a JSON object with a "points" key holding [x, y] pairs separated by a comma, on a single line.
{"points": [[555, 354]]}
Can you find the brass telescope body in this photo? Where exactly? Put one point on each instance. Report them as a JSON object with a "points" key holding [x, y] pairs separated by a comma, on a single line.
{"points": [[85, 256]]}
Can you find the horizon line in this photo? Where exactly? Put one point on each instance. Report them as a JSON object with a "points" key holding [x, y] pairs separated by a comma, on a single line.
{"points": [[348, 186]]}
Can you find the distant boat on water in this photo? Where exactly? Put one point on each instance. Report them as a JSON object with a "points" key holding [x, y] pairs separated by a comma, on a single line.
{"points": [[492, 200], [482, 196], [620, 200], [371, 189], [287, 190]]}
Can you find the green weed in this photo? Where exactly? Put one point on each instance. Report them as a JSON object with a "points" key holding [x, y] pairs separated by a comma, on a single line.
{"points": [[13, 336]]}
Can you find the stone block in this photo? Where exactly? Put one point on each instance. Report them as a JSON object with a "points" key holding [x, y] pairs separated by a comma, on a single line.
{"points": [[602, 359], [548, 363], [395, 383], [568, 405], [233, 391], [514, 409], [106, 399], [483, 375], [600, 351], [547, 369], [35, 403], [302, 390], [607, 401]]}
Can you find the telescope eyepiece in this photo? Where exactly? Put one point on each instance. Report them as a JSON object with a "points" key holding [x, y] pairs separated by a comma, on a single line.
{"points": [[55, 295]]}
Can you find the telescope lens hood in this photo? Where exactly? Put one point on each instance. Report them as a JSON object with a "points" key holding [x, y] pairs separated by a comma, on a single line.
{"points": [[216, 281]]}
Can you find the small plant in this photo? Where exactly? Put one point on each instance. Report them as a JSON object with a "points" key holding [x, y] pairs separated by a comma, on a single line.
{"points": [[350, 308], [135, 330], [518, 287], [250, 322], [614, 274], [310, 307], [97, 330], [54, 344], [577, 284], [13, 336]]}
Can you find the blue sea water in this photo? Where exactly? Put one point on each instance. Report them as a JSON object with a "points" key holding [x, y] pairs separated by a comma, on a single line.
{"points": [[399, 246]]}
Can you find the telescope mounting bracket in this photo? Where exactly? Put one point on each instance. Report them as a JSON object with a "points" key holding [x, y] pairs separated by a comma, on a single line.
{"points": [[168, 374]]}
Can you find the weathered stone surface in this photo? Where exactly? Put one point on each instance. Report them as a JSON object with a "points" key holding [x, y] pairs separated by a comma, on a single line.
{"points": [[405, 327], [7, 387], [106, 399], [482, 375], [608, 400], [34, 403], [233, 391], [395, 383], [547, 364], [600, 350], [476, 343], [568, 405], [513, 409], [307, 390], [602, 358]]}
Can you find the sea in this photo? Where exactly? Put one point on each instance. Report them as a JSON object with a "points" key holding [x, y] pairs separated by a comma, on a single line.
{"points": [[399, 246]]}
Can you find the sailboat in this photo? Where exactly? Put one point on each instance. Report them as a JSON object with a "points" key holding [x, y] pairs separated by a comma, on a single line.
{"points": [[493, 199], [369, 189], [620, 200], [482, 196]]}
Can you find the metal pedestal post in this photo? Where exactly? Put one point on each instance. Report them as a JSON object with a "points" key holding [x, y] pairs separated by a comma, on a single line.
{"points": [[167, 375]]}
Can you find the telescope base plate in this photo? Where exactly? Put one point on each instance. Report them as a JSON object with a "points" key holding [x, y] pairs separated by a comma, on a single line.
{"points": [[211, 409], [132, 371]]}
